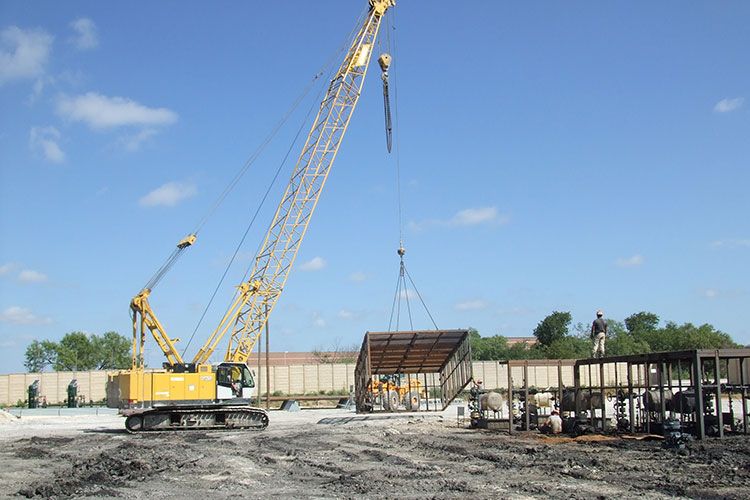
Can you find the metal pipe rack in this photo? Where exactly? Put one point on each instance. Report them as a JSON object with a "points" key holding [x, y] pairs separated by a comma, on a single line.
{"points": [[706, 390]]}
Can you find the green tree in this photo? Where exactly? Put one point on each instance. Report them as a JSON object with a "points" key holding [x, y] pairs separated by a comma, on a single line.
{"points": [[112, 351], [75, 352], [674, 337], [568, 347], [521, 350], [486, 348], [642, 323], [40, 355], [553, 327], [621, 342]]}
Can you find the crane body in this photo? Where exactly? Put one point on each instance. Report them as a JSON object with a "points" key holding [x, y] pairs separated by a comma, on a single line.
{"points": [[200, 394]]}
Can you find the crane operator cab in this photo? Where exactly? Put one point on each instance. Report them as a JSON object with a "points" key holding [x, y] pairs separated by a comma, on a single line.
{"points": [[233, 381]]}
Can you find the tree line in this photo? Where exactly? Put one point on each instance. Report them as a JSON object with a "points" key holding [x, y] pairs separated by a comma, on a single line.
{"points": [[639, 333], [78, 351]]}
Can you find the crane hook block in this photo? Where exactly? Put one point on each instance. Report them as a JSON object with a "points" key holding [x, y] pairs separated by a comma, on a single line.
{"points": [[385, 62]]}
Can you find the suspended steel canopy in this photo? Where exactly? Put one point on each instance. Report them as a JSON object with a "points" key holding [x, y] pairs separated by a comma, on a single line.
{"points": [[440, 356]]}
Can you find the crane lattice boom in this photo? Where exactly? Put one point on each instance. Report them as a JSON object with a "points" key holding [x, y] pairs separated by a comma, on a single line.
{"points": [[257, 297]]}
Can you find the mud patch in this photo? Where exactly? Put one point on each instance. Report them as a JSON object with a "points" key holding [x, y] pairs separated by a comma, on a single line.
{"points": [[100, 473], [372, 459]]}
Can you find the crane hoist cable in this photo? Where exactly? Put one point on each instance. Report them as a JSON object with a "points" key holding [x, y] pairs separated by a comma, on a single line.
{"points": [[402, 293], [190, 239], [327, 68], [404, 278], [252, 221]]}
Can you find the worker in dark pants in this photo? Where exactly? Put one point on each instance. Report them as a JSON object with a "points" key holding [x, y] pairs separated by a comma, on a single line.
{"points": [[599, 334]]}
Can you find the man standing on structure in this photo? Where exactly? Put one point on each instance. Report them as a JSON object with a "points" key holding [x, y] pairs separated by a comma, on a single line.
{"points": [[599, 334]]}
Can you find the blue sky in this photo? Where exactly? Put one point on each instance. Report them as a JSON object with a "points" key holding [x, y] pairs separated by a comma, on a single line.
{"points": [[554, 156]]}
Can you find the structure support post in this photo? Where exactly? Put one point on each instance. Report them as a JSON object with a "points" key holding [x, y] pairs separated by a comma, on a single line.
{"points": [[698, 384], [601, 388], [631, 402], [719, 412]]}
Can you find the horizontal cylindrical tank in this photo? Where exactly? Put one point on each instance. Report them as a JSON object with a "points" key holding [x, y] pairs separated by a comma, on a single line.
{"points": [[585, 400], [652, 400], [683, 402], [543, 399], [492, 401]]}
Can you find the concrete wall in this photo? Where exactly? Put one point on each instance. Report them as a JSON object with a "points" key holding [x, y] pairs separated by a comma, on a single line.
{"points": [[52, 385], [292, 379]]}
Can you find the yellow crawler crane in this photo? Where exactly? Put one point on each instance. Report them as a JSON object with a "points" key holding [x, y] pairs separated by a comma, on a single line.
{"points": [[198, 394]]}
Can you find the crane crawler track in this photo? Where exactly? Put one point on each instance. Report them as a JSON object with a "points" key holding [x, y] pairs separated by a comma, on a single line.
{"points": [[197, 418]]}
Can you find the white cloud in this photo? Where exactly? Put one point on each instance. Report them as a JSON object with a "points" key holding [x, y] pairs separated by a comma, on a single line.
{"points": [[86, 34], [23, 53], [135, 141], [102, 112], [45, 140], [731, 243], [318, 320], [6, 268], [471, 305], [358, 277], [634, 261], [728, 105], [716, 293], [408, 294], [474, 216], [710, 293], [22, 316], [466, 217], [31, 276], [168, 195], [38, 87], [314, 264], [346, 314]]}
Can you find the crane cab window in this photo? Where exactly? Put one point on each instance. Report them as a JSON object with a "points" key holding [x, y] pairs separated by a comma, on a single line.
{"points": [[229, 375]]}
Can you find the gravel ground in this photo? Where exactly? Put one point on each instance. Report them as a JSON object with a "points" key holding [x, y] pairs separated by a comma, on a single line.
{"points": [[337, 454]]}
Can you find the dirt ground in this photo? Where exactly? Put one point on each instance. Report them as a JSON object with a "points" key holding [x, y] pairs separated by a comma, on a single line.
{"points": [[338, 454]]}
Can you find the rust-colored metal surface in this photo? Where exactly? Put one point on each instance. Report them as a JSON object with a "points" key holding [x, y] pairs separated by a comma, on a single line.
{"points": [[412, 351]]}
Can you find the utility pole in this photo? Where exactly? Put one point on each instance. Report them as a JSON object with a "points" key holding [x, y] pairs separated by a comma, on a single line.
{"points": [[268, 376], [259, 382]]}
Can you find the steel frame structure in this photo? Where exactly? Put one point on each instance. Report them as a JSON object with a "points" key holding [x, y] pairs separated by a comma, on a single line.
{"points": [[523, 392], [690, 386], [437, 361]]}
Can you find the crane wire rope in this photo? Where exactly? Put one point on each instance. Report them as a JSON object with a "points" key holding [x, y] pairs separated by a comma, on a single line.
{"points": [[249, 226], [327, 67], [177, 252], [323, 69], [402, 290]]}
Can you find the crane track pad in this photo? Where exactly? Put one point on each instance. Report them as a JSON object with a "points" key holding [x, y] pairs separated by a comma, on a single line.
{"points": [[203, 417]]}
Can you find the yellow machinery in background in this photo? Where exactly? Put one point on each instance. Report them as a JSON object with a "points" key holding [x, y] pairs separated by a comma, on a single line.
{"points": [[197, 394], [392, 391]]}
